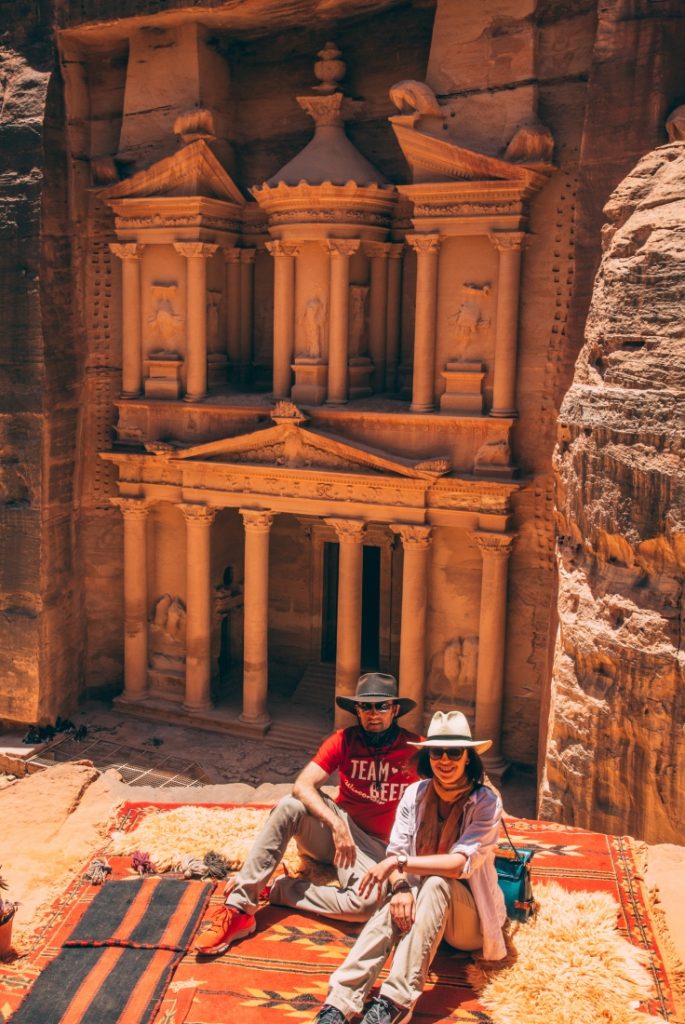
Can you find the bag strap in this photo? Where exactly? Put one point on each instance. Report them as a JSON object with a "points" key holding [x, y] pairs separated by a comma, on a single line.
{"points": [[503, 823]]}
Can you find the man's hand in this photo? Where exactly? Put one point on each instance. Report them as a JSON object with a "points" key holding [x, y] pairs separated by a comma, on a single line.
{"points": [[377, 875], [345, 850], [403, 910]]}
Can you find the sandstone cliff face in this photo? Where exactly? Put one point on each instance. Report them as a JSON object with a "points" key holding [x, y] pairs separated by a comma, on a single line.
{"points": [[616, 741]]}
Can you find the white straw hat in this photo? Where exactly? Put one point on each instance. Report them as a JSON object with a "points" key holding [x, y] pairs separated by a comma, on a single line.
{"points": [[450, 729]]}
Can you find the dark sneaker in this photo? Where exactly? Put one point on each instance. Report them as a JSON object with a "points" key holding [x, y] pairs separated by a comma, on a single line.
{"points": [[226, 926], [382, 1011], [330, 1015]]}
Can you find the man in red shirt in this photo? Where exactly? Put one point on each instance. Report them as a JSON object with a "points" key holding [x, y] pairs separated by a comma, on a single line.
{"points": [[350, 832]]}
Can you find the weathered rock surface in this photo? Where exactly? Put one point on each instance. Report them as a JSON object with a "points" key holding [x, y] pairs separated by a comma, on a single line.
{"points": [[616, 742]]}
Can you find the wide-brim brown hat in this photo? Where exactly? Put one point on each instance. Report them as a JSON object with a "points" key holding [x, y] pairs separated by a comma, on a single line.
{"points": [[451, 729], [372, 687]]}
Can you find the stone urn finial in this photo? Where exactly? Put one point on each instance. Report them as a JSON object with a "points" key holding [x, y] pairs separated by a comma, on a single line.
{"points": [[329, 70]]}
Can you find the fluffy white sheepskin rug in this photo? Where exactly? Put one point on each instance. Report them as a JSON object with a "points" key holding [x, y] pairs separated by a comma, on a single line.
{"points": [[569, 965], [168, 836]]}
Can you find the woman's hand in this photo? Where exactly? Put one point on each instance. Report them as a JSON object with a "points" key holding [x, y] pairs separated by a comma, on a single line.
{"points": [[377, 875], [402, 909]]}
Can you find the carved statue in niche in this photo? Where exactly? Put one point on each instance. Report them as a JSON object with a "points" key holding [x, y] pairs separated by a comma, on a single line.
{"points": [[357, 332], [167, 634], [454, 670], [165, 331], [312, 330], [531, 143], [469, 319], [213, 320]]}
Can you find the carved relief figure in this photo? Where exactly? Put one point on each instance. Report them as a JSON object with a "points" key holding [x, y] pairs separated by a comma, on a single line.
{"points": [[494, 453], [168, 633], [469, 318], [312, 329], [454, 669], [213, 319], [165, 331], [409, 96], [357, 336]]}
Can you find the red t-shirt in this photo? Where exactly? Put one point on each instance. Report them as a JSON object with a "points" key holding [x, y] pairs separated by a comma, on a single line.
{"points": [[371, 781]]}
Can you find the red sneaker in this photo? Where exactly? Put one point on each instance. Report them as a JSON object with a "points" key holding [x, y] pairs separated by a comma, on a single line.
{"points": [[226, 926]]}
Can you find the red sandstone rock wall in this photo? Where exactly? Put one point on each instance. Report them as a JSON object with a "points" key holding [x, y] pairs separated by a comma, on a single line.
{"points": [[616, 746]]}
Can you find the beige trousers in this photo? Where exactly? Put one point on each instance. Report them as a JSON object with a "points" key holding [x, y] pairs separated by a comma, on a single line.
{"points": [[444, 907]]}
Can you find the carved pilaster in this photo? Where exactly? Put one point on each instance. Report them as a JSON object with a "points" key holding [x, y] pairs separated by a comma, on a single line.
{"points": [[392, 317], [284, 254], [196, 254], [199, 519], [257, 523], [135, 512], [340, 251], [378, 253], [130, 254], [416, 542], [247, 263], [510, 246], [233, 314], [350, 534], [427, 248]]}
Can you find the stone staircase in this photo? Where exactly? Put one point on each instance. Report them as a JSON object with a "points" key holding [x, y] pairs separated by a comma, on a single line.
{"points": [[316, 688], [307, 718]]}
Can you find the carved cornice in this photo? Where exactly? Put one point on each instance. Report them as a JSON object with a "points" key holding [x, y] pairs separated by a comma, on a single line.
{"points": [[425, 245], [279, 248], [377, 250], [494, 545], [413, 536], [366, 205], [201, 514], [195, 250], [256, 520], [348, 531], [133, 508], [510, 241], [342, 246], [127, 250]]}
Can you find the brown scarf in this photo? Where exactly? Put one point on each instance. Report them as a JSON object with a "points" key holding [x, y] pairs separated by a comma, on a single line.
{"points": [[431, 837]]}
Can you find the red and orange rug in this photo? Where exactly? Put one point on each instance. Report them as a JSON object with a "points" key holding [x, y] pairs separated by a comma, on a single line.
{"points": [[280, 973]]}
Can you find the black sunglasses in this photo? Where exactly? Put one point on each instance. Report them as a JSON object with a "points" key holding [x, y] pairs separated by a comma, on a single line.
{"points": [[383, 705], [454, 753]]}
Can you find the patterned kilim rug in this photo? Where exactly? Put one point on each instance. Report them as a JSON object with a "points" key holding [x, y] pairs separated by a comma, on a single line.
{"points": [[280, 973]]}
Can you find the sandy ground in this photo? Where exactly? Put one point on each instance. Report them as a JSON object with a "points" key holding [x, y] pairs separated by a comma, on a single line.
{"points": [[55, 820]]}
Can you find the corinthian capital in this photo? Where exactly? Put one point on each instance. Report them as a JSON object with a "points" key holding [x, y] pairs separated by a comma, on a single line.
{"points": [[133, 508], [257, 520], [508, 241], [231, 255], [198, 513], [494, 545], [377, 250], [413, 536], [247, 255], [279, 248], [127, 250], [348, 530], [195, 250], [342, 246], [425, 245]]}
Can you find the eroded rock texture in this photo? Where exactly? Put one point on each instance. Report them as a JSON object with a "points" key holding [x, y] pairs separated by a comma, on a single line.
{"points": [[616, 743]]}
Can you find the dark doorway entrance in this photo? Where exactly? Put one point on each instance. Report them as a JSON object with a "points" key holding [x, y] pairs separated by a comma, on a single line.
{"points": [[371, 600]]}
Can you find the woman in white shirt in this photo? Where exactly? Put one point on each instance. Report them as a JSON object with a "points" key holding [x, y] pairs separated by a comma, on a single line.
{"points": [[443, 883]]}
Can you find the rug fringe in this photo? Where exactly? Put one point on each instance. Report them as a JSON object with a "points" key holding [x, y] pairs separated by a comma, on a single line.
{"points": [[675, 968]]}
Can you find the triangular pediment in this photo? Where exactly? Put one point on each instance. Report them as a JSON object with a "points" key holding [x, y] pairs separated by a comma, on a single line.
{"points": [[293, 446], [193, 170], [437, 159]]}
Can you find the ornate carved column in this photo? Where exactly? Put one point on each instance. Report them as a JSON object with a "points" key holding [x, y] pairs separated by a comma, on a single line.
{"points": [[378, 300], [256, 611], [340, 250], [416, 542], [135, 512], [510, 245], [233, 314], [130, 254], [392, 332], [284, 254], [199, 519], [495, 549], [427, 248], [196, 254], [247, 259], [350, 534]]}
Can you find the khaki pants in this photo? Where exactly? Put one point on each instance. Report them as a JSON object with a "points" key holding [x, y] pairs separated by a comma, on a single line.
{"points": [[444, 906], [289, 819]]}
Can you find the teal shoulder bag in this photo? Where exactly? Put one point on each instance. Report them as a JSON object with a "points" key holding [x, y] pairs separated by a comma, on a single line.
{"points": [[512, 864]]}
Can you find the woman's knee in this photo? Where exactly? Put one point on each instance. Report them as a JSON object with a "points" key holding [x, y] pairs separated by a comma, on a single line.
{"points": [[435, 890]]}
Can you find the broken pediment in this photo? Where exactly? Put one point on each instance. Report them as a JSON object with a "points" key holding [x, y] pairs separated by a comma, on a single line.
{"points": [[292, 445], [192, 171]]}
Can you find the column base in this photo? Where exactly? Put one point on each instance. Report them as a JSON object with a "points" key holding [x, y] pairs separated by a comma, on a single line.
{"points": [[131, 394], [430, 407], [336, 402], [262, 721], [132, 698], [504, 414], [195, 398], [197, 709], [495, 765]]}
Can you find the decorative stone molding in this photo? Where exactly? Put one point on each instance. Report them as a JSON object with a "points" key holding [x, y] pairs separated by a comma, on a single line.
{"points": [[133, 508], [195, 250], [505, 241], [494, 545], [348, 530], [127, 250], [342, 246], [198, 513], [396, 250], [232, 255], [257, 520], [377, 250], [247, 255], [413, 536], [425, 245], [279, 248]]}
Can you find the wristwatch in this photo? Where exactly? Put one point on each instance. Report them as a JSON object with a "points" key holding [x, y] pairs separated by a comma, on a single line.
{"points": [[401, 861]]}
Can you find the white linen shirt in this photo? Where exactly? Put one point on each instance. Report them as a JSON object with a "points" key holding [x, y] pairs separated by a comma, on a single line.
{"points": [[477, 842]]}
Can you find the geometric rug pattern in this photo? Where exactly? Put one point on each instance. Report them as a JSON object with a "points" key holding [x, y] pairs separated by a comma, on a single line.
{"points": [[280, 973]]}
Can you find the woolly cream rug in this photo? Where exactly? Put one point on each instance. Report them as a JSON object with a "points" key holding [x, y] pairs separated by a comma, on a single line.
{"points": [[596, 954]]}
